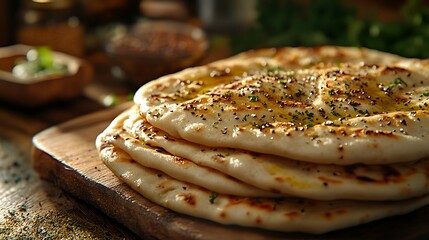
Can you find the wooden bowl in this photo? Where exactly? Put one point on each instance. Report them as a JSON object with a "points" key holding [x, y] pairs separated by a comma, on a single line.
{"points": [[37, 91], [151, 49]]}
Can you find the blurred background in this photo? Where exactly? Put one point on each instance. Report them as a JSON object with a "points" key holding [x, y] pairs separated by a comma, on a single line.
{"points": [[126, 43], [104, 31], [75, 26]]}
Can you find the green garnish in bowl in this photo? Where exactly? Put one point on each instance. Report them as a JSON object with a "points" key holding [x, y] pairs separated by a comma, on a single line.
{"points": [[39, 62]]}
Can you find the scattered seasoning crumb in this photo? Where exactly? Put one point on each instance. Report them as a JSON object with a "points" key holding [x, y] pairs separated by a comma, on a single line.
{"points": [[21, 224]]}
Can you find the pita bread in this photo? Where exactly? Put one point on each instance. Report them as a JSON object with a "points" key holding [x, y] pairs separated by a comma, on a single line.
{"points": [[290, 177], [175, 166], [329, 113], [292, 139], [280, 214]]}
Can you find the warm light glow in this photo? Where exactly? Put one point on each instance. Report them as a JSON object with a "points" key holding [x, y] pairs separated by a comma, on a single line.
{"points": [[42, 1]]}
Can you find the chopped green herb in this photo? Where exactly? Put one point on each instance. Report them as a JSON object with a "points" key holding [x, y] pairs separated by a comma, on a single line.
{"points": [[23, 208], [228, 94], [348, 95], [399, 81], [366, 113], [309, 114], [253, 98], [299, 93], [295, 116], [215, 124], [354, 104], [274, 69], [309, 125], [213, 197], [335, 114]]}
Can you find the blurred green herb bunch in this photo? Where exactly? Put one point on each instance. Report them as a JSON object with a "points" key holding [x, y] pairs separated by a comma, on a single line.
{"points": [[333, 22]]}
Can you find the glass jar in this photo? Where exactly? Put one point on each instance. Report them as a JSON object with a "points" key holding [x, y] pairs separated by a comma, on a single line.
{"points": [[53, 23]]}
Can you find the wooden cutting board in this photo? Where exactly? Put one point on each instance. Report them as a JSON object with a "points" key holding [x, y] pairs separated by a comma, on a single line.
{"points": [[66, 155]]}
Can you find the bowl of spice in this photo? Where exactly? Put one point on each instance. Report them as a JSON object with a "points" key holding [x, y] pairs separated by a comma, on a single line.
{"points": [[31, 76], [150, 49]]}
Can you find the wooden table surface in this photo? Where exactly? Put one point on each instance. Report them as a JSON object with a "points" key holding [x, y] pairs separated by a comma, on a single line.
{"points": [[31, 207]]}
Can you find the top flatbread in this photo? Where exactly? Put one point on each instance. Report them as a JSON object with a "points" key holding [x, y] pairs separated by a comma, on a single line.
{"points": [[325, 105]]}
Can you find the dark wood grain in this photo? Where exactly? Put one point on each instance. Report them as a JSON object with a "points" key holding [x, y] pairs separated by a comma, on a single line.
{"points": [[66, 155], [28, 203]]}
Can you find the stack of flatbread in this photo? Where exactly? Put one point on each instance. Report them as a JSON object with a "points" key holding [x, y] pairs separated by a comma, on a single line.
{"points": [[291, 139]]}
